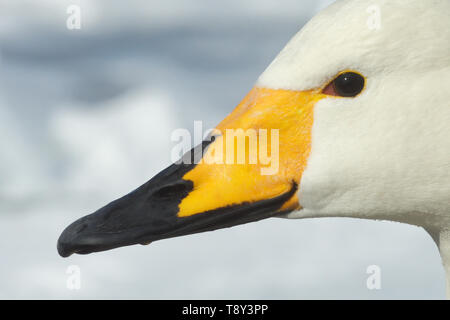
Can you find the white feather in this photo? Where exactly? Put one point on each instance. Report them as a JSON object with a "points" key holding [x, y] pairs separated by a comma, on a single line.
{"points": [[384, 154]]}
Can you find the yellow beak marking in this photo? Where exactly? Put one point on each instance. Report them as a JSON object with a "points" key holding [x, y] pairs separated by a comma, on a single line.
{"points": [[221, 184]]}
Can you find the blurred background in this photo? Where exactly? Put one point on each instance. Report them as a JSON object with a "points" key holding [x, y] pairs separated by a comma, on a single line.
{"points": [[86, 116]]}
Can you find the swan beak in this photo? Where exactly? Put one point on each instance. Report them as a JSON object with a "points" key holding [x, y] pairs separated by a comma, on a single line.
{"points": [[217, 188]]}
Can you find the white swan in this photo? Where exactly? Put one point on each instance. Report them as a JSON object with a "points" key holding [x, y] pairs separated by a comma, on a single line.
{"points": [[359, 99]]}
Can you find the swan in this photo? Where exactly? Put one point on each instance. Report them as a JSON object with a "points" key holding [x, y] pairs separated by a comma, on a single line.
{"points": [[356, 108]]}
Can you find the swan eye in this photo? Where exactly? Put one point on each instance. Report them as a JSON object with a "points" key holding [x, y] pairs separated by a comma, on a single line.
{"points": [[348, 84]]}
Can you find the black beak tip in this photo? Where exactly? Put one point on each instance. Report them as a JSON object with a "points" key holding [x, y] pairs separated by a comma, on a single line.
{"points": [[83, 237], [72, 239], [63, 249], [65, 245]]}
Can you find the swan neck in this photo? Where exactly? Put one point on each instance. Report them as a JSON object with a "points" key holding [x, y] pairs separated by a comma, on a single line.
{"points": [[442, 239]]}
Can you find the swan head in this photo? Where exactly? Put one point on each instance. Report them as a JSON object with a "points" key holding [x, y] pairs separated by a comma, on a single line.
{"points": [[352, 117]]}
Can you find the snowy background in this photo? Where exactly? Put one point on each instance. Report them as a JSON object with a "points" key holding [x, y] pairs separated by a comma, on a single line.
{"points": [[86, 116]]}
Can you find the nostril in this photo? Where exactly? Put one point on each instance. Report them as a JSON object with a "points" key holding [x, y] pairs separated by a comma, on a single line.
{"points": [[173, 190]]}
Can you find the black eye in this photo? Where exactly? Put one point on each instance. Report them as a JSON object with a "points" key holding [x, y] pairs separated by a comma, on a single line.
{"points": [[349, 84]]}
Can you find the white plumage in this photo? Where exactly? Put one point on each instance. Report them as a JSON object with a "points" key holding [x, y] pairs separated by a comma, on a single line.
{"points": [[386, 153]]}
